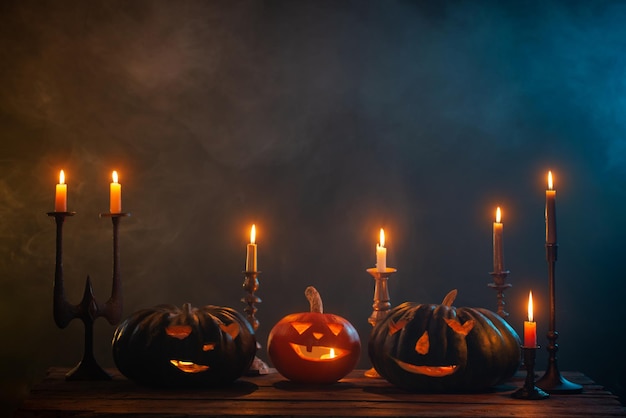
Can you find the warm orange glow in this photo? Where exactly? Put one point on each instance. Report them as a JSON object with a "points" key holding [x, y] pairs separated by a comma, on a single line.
{"points": [[530, 306], [550, 185], [253, 234], [115, 179], [498, 215], [62, 177], [382, 237], [332, 353]]}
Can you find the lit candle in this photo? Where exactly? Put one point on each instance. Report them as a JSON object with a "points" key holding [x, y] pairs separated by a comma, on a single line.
{"points": [[498, 257], [381, 253], [60, 198], [116, 195], [530, 327], [550, 212], [251, 253]]}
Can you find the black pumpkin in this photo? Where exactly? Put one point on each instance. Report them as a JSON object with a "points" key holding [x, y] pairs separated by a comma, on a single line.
{"points": [[440, 348], [168, 347]]}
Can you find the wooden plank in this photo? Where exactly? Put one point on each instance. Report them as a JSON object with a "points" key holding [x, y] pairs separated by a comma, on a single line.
{"points": [[272, 395]]}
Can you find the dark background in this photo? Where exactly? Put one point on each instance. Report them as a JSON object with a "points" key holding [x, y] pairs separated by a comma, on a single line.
{"points": [[320, 121]]}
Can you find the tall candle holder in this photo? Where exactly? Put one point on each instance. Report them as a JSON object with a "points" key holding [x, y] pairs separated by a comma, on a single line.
{"points": [[88, 309], [499, 285], [552, 381], [381, 305], [251, 285], [529, 390]]}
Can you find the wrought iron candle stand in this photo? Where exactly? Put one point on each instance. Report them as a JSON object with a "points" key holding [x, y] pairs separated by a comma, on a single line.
{"points": [[529, 390], [552, 381], [499, 285], [88, 309], [251, 285], [381, 305]]}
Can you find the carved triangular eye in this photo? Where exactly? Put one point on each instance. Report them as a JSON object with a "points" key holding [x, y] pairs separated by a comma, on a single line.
{"points": [[301, 326], [335, 328], [423, 344], [461, 329], [232, 329], [397, 326]]}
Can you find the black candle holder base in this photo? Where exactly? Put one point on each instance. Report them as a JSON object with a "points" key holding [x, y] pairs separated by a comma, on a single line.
{"points": [[529, 391], [553, 382], [531, 394]]}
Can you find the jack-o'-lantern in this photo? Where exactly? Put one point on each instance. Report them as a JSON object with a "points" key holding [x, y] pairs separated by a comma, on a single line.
{"points": [[440, 348], [314, 347], [169, 346]]}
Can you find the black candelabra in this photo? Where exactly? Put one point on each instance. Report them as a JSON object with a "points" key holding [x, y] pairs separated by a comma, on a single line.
{"points": [[552, 381], [251, 285], [88, 310], [499, 285]]}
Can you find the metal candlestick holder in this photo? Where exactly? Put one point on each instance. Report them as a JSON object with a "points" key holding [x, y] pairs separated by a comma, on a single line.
{"points": [[499, 285], [529, 390], [88, 309], [381, 305], [552, 381], [251, 285]]}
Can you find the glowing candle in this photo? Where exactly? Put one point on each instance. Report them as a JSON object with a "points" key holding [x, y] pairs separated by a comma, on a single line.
{"points": [[251, 253], [550, 212], [116, 195], [498, 257], [381, 253], [530, 327], [60, 198]]}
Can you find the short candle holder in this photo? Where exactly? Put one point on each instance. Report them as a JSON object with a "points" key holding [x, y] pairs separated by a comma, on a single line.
{"points": [[529, 390], [251, 285], [552, 381], [381, 305], [88, 309], [499, 285]]}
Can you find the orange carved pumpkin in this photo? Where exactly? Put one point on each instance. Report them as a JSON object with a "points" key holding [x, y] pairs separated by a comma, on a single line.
{"points": [[314, 347]]}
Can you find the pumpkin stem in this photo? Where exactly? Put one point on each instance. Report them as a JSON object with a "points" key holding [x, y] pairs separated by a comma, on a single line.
{"points": [[187, 309], [449, 299], [314, 299]]}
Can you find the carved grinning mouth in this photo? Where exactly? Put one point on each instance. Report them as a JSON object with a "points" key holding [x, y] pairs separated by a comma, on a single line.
{"points": [[318, 352], [189, 366], [432, 371]]}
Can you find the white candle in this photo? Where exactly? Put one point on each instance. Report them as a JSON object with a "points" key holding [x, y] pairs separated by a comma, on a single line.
{"points": [[60, 197], [381, 253], [116, 195], [498, 257], [550, 212], [251, 251]]}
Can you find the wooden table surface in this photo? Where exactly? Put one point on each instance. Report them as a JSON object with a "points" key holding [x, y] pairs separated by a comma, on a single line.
{"points": [[272, 395]]}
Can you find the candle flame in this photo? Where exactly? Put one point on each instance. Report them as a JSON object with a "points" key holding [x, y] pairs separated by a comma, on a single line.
{"points": [[498, 215], [331, 354], [114, 176], [530, 306], [382, 237], [62, 177], [253, 234], [550, 185]]}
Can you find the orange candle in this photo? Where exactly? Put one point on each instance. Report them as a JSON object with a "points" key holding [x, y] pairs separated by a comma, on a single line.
{"points": [[550, 212], [381, 253], [116, 195], [60, 198], [251, 251], [530, 327], [498, 257]]}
